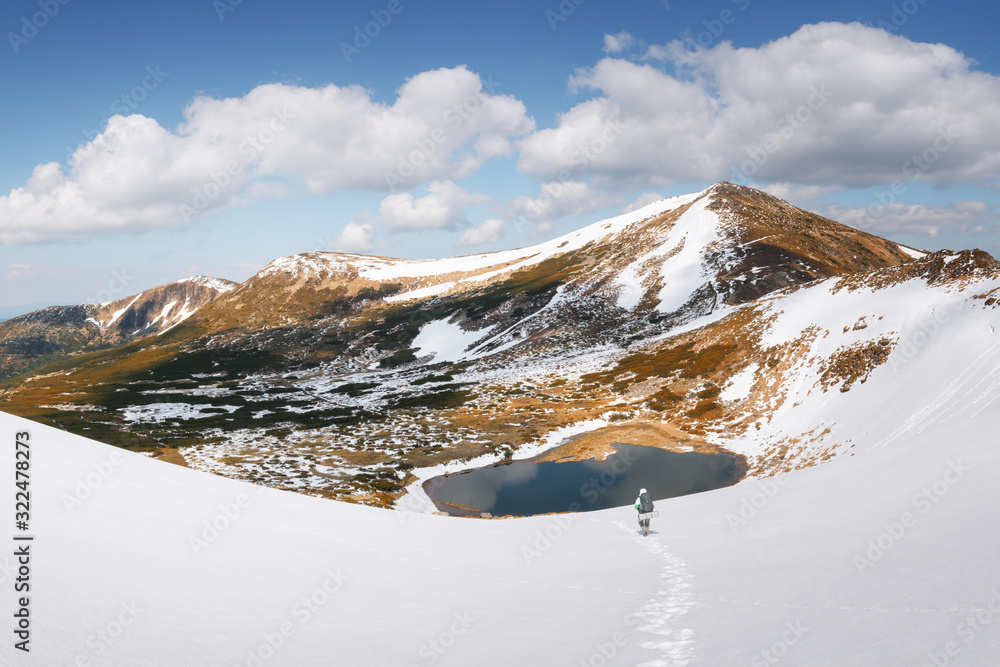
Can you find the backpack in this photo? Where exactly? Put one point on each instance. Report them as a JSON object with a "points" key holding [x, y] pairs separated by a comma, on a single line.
{"points": [[645, 503]]}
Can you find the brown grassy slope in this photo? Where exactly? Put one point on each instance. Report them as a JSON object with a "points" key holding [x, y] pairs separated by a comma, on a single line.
{"points": [[792, 245]]}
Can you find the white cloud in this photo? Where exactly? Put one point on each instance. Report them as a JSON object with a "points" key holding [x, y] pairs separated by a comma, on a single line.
{"points": [[137, 175], [490, 231], [797, 193], [618, 42], [18, 271], [928, 220], [443, 208], [556, 200], [831, 104], [356, 237], [645, 199], [259, 190]]}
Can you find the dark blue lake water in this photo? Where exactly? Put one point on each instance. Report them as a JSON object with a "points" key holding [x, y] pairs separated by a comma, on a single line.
{"points": [[524, 488]]}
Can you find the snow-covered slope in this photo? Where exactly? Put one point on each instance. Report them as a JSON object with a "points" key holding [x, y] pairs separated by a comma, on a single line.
{"points": [[869, 359], [886, 557]]}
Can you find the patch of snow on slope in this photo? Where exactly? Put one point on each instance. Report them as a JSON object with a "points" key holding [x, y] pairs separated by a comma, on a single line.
{"points": [[632, 290], [513, 260], [163, 313], [324, 262], [220, 286], [447, 341], [119, 313], [423, 292], [915, 254], [740, 384], [186, 311], [683, 273], [160, 412]]}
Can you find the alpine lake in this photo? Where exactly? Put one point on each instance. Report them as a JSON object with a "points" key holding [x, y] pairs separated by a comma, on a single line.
{"points": [[529, 487]]}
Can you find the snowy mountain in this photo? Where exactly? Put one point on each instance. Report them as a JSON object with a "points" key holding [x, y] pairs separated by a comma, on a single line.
{"points": [[725, 245], [721, 320], [50, 333], [856, 379]]}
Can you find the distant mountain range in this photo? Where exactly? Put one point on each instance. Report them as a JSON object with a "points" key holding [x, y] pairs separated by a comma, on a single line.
{"points": [[7, 312], [55, 332], [725, 318]]}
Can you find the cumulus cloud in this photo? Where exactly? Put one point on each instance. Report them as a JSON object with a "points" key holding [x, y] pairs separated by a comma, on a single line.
{"points": [[490, 231], [797, 194], [831, 104], [618, 42], [444, 207], [137, 175], [645, 199], [967, 217], [18, 271], [556, 200], [356, 237]]}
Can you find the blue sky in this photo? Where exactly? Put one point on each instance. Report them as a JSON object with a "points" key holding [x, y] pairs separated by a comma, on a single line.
{"points": [[145, 142]]}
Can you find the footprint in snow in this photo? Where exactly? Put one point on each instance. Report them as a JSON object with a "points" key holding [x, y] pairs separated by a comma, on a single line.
{"points": [[662, 614]]}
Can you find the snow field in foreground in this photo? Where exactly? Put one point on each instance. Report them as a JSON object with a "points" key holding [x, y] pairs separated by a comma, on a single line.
{"points": [[887, 557]]}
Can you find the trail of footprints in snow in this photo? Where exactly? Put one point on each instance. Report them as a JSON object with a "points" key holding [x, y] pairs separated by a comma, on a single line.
{"points": [[662, 613]]}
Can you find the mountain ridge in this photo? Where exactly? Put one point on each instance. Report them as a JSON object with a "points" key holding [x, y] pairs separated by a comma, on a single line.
{"points": [[691, 324], [58, 331]]}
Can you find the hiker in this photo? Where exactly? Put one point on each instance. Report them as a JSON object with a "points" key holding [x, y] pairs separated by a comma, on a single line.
{"points": [[644, 505]]}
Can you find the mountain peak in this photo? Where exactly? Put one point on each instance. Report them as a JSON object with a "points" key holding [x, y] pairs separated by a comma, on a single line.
{"points": [[218, 284], [62, 330]]}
